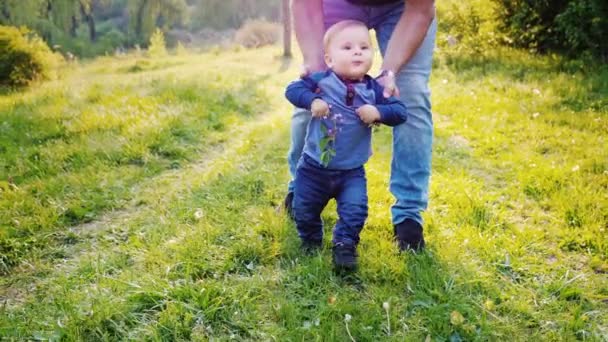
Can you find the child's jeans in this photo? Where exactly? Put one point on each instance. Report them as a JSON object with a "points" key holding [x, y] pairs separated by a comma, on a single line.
{"points": [[315, 186]]}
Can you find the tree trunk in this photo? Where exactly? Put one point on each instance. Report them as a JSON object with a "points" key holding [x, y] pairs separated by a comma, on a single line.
{"points": [[286, 28], [139, 20], [74, 26], [92, 32], [88, 17], [6, 13]]}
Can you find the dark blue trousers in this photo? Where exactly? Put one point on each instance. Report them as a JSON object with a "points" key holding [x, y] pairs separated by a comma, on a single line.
{"points": [[315, 186]]}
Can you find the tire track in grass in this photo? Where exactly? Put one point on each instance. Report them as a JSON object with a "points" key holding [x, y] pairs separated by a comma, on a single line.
{"points": [[155, 192], [259, 141]]}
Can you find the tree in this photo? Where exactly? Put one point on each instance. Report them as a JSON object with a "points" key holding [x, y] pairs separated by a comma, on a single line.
{"points": [[146, 15], [68, 14], [226, 14], [22, 13], [86, 10], [286, 12]]}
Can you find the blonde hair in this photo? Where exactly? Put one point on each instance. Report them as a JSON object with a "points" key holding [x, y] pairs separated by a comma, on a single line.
{"points": [[339, 27]]}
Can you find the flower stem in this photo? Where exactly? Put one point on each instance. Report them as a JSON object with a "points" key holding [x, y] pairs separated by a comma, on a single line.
{"points": [[388, 323], [349, 335]]}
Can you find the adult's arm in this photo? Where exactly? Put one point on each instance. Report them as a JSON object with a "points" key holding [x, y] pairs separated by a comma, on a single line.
{"points": [[406, 38], [408, 33], [309, 28]]}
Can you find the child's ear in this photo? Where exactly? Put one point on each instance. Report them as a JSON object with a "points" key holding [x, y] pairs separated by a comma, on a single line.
{"points": [[328, 61]]}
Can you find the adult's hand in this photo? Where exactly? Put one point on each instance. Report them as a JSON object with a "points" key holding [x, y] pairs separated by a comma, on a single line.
{"points": [[387, 80], [307, 69], [406, 38]]}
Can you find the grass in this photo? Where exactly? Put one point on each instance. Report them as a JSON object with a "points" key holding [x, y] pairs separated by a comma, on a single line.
{"points": [[139, 202]]}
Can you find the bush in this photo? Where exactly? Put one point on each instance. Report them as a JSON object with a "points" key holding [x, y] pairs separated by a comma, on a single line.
{"points": [[157, 47], [467, 26], [24, 57], [257, 33], [584, 26], [574, 27]]}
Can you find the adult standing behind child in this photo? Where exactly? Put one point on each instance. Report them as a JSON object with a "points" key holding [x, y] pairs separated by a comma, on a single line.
{"points": [[344, 102], [405, 31]]}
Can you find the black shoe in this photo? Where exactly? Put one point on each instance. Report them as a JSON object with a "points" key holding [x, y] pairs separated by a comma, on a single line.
{"points": [[409, 235], [288, 204], [311, 246], [345, 256]]}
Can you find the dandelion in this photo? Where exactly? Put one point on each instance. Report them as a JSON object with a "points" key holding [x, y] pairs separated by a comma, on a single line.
{"points": [[347, 319], [386, 307]]}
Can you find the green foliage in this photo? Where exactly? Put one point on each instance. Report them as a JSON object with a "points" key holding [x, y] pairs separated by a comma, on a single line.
{"points": [[21, 13], [24, 57], [584, 25], [571, 26], [231, 14], [467, 27], [87, 28], [82, 46], [157, 46], [146, 15]]}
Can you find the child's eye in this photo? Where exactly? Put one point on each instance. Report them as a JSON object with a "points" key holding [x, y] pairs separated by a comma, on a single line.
{"points": [[364, 47], [346, 47]]}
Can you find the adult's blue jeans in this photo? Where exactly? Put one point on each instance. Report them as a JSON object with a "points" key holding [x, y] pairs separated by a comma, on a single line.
{"points": [[412, 140], [315, 185]]}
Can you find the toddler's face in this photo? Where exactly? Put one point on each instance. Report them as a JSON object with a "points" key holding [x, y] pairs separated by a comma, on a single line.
{"points": [[350, 53]]}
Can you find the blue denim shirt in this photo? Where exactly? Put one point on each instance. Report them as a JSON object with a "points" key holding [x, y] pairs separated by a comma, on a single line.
{"points": [[342, 131]]}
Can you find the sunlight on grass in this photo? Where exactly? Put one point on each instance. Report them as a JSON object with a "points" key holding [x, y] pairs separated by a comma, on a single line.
{"points": [[139, 201]]}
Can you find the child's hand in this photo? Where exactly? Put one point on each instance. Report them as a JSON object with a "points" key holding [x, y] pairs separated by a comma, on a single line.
{"points": [[368, 114], [319, 108]]}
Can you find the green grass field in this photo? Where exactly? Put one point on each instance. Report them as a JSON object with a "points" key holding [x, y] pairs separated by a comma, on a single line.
{"points": [[138, 201]]}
